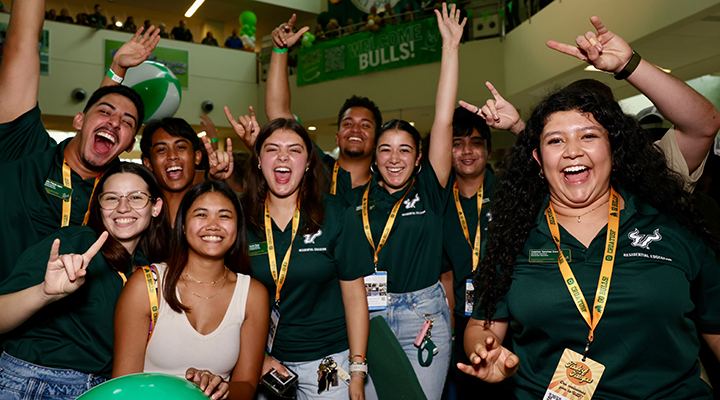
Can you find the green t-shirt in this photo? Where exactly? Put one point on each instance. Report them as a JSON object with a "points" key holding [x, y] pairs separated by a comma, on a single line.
{"points": [[30, 159], [77, 331], [412, 255], [665, 282], [457, 253], [312, 315], [344, 179]]}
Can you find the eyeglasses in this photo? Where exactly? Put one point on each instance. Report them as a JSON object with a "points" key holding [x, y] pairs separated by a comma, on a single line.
{"points": [[111, 200]]}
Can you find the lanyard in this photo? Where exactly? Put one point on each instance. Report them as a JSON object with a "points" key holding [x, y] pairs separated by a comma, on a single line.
{"points": [[388, 224], [67, 203], [464, 225], [333, 188], [279, 280], [605, 273]]}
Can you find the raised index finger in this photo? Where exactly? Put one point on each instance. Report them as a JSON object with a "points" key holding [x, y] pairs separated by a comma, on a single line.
{"points": [[228, 146], [208, 146], [566, 49], [599, 26], [90, 253], [291, 21], [493, 91]]}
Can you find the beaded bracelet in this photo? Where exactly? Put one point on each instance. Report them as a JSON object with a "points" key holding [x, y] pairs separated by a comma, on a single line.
{"points": [[357, 355]]}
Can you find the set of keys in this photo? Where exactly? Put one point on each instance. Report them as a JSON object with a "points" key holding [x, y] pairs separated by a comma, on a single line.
{"points": [[424, 342], [329, 373]]}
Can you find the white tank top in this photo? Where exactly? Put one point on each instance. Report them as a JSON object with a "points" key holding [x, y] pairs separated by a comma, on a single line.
{"points": [[175, 345]]}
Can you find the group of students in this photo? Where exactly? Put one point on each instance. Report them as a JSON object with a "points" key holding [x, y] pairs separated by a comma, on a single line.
{"points": [[152, 273]]}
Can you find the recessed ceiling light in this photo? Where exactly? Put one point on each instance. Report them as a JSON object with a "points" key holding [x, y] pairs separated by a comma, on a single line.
{"points": [[311, 128], [193, 8], [201, 134], [118, 24], [412, 123]]}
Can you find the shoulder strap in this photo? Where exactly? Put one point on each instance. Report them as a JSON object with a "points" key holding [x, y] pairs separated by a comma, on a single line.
{"points": [[151, 280]]}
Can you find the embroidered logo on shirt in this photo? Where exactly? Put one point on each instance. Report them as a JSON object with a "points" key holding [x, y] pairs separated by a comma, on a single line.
{"points": [[310, 238], [410, 203], [644, 240]]}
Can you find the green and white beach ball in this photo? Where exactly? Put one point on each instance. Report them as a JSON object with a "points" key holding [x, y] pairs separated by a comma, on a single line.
{"points": [[158, 87]]}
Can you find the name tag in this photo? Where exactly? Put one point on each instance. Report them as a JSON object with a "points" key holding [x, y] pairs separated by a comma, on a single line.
{"points": [[257, 249], [376, 291], [548, 255], [55, 189], [274, 322], [371, 206], [469, 297], [574, 378]]}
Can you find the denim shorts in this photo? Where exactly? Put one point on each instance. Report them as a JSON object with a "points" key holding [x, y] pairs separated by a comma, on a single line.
{"points": [[21, 380], [405, 315]]}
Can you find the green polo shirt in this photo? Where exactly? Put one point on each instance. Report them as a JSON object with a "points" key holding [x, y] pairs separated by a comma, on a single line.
{"points": [[457, 253], [29, 212], [665, 283], [412, 255], [77, 331], [312, 314], [344, 179]]}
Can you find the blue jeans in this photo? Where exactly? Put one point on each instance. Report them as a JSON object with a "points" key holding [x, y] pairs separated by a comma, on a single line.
{"points": [[405, 315], [307, 383], [21, 380]]}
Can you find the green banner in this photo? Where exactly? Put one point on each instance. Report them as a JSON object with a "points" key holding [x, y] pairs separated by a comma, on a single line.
{"points": [[175, 60], [395, 46]]}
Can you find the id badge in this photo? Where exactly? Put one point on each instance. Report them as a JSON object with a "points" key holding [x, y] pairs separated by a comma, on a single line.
{"points": [[469, 297], [574, 379], [376, 291], [55, 189], [274, 320]]}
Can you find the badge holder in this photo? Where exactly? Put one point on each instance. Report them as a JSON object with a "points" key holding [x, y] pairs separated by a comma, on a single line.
{"points": [[469, 297], [424, 342], [274, 321], [376, 291]]}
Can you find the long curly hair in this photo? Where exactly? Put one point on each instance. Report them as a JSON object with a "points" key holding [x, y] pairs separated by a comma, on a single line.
{"points": [[520, 193], [311, 188]]}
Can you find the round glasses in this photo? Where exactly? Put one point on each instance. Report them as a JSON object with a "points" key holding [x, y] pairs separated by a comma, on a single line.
{"points": [[111, 200]]}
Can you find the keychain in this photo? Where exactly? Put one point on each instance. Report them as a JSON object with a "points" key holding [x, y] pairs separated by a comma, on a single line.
{"points": [[423, 342]]}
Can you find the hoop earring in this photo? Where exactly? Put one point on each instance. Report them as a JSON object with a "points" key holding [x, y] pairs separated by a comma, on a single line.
{"points": [[541, 175], [259, 166], [418, 170], [371, 168]]}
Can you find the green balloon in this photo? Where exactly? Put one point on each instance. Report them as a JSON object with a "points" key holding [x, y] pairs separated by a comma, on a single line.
{"points": [[248, 18], [145, 386]]}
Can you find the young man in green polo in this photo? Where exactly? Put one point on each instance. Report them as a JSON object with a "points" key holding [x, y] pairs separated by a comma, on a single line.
{"points": [[48, 185]]}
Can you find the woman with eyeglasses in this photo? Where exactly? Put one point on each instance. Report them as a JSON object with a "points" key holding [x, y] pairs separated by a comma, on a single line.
{"points": [[57, 306], [401, 209], [212, 317]]}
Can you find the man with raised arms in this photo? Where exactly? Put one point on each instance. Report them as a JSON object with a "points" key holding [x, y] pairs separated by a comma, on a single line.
{"points": [[48, 185]]}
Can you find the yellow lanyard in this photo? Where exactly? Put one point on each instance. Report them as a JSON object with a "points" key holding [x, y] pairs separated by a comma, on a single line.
{"points": [[388, 224], [333, 188], [67, 203], [279, 280], [605, 273], [464, 225]]}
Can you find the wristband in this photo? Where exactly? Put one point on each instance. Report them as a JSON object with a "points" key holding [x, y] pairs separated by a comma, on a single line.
{"points": [[280, 51], [449, 48], [629, 68], [213, 140], [357, 355], [115, 77], [359, 368]]}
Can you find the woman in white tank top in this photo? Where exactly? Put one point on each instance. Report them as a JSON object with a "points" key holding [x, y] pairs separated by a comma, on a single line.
{"points": [[212, 317]]}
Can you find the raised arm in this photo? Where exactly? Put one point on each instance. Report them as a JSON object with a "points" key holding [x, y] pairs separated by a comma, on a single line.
{"points": [[483, 345], [132, 53], [20, 69], [277, 88], [440, 153], [64, 275], [696, 120]]}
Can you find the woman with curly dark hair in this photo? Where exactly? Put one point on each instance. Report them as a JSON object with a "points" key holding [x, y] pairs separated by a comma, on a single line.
{"points": [[586, 204]]}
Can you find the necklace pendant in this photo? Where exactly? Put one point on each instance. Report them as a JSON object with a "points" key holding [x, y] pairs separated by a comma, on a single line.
{"points": [[579, 219]]}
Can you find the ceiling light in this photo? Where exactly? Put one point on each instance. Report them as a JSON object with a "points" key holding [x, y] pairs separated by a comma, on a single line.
{"points": [[201, 134], [118, 24], [311, 128], [193, 8], [412, 123]]}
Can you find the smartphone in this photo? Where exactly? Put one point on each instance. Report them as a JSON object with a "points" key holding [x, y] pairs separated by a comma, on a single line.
{"points": [[277, 383]]}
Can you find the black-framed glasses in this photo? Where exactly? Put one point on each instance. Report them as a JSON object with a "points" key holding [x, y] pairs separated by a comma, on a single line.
{"points": [[136, 200]]}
